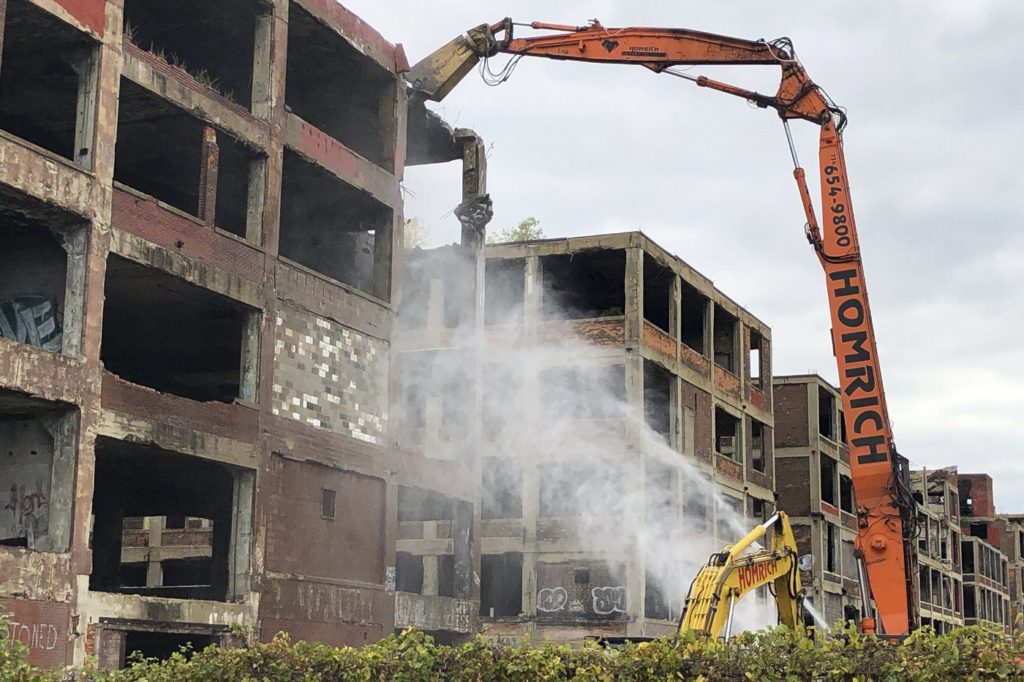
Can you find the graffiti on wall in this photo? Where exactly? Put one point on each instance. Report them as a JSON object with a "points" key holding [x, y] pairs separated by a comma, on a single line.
{"points": [[604, 600], [31, 320], [552, 599], [608, 600], [28, 513], [42, 627]]}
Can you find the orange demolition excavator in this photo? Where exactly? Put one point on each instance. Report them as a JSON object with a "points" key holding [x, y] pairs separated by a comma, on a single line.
{"points": [[885, 506]]}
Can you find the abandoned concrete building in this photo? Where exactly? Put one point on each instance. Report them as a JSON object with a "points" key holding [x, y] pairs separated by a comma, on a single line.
{"points": [[200, 206], [617, 318], [991, 547], [812, 467], [940, 574]]}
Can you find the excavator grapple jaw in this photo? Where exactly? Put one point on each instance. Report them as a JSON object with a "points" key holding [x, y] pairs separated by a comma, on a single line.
{"points": [[439, 72]]}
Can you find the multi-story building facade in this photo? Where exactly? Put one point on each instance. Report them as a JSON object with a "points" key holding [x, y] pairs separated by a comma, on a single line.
{"points": [[990, 545], [201, 223], [812, 465], [938, 548], [610, 321]]}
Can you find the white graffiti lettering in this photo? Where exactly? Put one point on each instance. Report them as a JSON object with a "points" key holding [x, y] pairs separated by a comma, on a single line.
{"points": [[552, 599], [608, 600]]}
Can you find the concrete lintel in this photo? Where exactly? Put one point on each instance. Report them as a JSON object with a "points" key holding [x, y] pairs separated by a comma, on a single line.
{"points": [[96, 606], [84, 15], [196, 272], [355, 32], [318, 147], [145, 431], [179, 88], [46, 176], [28, 369]]}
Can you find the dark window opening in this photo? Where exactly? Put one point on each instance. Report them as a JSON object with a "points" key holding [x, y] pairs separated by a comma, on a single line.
{"points": [[592, 392], [696, 511], [826, 414], [758, 509], [211, 40], [139, 481], [420, 504], [659, 496], [159, 148], [694, 314], [658, 399], [730, 525], [501, 585], [970, 608], [842, 428], [504, 291], [408, 573], [967, 550], [755, 362], [333, 86], [584, 285], [328, 498], [162, 151], [758, 445], [727, 430], [37, 444], [726, 327], [162, 645], [502, 493], [39, 306], [846, 494], [831, 548], [414, 374], [581, 576], [446, 575], [333, 228], [47, 78], [979, 529], [502, 401], [828, 474], [657, 293], [238, 209], [562, 484], [656, 605], [165, 333]]}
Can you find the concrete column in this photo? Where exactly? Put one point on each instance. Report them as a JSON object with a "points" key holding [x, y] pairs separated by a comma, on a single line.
{"points": [[532, 301], [155, 540], [210, 155], [87, 66], [634, 298]]}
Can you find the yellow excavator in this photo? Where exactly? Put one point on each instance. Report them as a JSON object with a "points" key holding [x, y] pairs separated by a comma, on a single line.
{"points": [[736, 571]]}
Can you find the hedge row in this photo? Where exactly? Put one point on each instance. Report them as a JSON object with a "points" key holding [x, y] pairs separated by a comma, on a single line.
{"points": [[965, 654]]}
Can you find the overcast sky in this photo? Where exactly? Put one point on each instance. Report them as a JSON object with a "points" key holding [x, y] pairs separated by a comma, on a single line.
{"points": [[935, 147]]}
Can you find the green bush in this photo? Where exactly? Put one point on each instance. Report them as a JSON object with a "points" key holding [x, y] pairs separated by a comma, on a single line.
{"points": [[966, 654]]}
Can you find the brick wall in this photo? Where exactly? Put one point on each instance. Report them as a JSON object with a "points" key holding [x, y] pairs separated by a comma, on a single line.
{"points": [[791, 425], [330, 377], [299, 540], [977, 487], [793, 482]]}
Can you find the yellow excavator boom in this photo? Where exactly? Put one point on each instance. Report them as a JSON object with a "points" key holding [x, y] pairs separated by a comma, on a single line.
{"points": [[734, 572]]}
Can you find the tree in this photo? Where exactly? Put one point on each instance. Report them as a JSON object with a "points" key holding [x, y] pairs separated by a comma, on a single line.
{"points": [[528, 229], [416, 233]]}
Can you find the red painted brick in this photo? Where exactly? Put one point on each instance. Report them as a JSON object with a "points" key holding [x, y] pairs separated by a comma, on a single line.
{"points": [[144, 217], [239, 422], [42, 627], [89, 13], [658, 340]]}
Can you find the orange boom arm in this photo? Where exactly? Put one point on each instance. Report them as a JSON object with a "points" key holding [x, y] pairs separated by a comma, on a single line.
{"points": [[885, 509]]}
